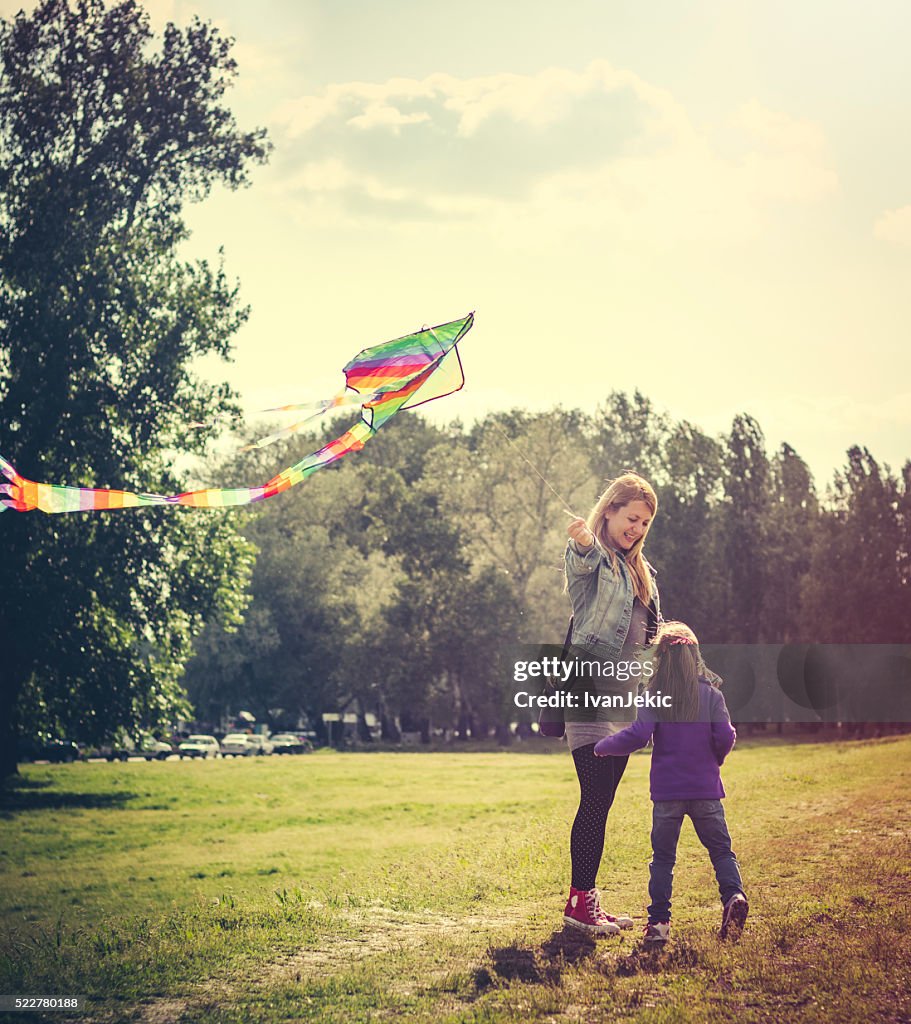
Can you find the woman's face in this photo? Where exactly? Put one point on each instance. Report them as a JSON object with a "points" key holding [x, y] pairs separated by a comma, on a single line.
{"points": [[628, 524]]}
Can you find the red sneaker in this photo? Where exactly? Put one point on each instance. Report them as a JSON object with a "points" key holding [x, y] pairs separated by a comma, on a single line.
{"points": [[583, 911]]}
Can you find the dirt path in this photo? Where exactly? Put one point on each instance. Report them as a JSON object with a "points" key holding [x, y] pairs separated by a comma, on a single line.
{"points": [[379, 930]]}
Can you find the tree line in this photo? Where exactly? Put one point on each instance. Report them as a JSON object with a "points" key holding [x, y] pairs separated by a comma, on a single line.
{"points": [[397, 583]]}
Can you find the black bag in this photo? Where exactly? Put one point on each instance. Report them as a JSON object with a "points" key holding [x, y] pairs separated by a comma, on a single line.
{"points": [[551, 721]]}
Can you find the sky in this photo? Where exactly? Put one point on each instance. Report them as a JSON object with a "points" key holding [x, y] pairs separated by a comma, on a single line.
{"points": [[709, 201]]}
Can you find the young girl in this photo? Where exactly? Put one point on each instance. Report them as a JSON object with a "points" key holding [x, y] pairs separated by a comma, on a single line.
{"points": [[691, 737], [615, 611]]}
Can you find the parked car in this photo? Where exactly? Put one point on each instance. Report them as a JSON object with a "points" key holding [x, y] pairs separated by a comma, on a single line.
{"points": [[155, 750], [199, 746], [114, 752], [237, 744], [288, 743], [48, 748], [260, 744], [123, 747]]}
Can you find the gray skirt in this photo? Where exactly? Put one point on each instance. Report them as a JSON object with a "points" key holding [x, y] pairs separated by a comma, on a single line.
{"points": [[578, 734]]}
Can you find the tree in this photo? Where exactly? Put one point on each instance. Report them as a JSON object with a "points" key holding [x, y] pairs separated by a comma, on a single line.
{"points": [[746, 485], [630, 434], [683, 544], [500, 487], [103, 139], [365, 596], [327, 567], [238, 669], [857, 589], [792, 523]]}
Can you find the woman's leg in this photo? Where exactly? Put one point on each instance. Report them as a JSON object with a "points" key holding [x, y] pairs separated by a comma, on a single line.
{"points": [[598, 781]]}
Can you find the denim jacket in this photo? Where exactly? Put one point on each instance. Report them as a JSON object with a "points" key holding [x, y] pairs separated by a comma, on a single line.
{"points": [[603, 602]]}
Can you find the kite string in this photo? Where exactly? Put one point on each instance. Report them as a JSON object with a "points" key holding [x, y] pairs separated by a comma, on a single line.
{"points": [[535, 469], [597, 543]]}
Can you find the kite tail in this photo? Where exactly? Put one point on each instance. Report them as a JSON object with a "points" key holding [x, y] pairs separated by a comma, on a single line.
{"points": [[24, 495], [382, 379], [19, 494]]}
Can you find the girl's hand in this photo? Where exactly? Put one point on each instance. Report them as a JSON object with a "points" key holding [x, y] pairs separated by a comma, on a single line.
{"points": [[580, 533]]}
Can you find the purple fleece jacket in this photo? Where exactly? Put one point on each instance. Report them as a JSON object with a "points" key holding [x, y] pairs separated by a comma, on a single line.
{"points": [[687, 755]]}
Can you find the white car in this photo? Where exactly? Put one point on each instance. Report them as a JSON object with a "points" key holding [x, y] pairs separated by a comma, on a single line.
{"points": [[199, 746], [288, 743], [260, 744], [155, 750], [237, 744]]}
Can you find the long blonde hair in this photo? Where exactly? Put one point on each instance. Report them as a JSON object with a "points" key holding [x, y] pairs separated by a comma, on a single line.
{"points": [[677, 675], [625, 489]]}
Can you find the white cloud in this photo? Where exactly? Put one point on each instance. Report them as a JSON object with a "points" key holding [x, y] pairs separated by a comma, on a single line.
{"points": [[300, 116], [333, 176], [250, 57], [382, 115], [537, 100], [790, 177], [599, 149], [779, 130], [789, 159], [894, 226]]}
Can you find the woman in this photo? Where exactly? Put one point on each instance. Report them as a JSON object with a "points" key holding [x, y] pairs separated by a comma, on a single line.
{"points": [[615, 613]]}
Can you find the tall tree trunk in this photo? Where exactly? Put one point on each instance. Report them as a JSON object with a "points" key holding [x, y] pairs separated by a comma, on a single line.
{"points": [[13, 640], [363, 730], [9, 730]]}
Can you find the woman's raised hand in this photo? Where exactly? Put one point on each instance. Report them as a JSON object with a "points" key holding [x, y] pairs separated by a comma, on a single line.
{"points": [[580, 533]]}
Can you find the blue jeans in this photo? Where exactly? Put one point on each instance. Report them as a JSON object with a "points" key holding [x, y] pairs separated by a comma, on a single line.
{"points": [[708, 820]]}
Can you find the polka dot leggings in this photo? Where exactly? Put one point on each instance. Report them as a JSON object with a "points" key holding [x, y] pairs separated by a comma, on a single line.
{"points": [[598, 781]]}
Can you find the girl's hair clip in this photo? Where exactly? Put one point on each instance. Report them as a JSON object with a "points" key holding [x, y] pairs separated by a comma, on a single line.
{"points": [[682, 640]]}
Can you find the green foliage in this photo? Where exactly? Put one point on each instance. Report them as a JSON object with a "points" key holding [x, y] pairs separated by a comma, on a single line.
{"points": [[103, 138], [792, 520], [748, 498], [687, 542], [857, 588], [397, 584], [523, 474], [630, 434]]}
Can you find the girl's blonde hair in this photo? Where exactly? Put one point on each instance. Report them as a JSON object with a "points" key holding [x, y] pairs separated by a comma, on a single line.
{"points": [[679, 666], [625, 489]]}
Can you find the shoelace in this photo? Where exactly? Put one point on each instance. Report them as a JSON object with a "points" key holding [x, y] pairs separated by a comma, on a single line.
{"points": [[595, 910]]}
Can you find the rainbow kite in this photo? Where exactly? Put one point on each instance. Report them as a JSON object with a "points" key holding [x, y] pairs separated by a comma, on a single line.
{"points": [[384, 379]]}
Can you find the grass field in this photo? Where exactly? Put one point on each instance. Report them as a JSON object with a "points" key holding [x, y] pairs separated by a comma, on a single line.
{"points": [[362, 887]]}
